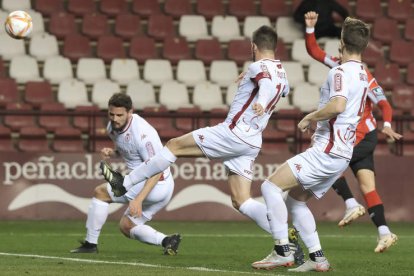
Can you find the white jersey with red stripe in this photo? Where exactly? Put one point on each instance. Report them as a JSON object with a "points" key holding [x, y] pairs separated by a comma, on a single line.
{"points": [[337, 136], [137, 142], [253, 88]]}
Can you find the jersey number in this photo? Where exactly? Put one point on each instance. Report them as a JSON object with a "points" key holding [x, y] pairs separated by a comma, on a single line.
{"points": [[273, 102], [363, 100]]}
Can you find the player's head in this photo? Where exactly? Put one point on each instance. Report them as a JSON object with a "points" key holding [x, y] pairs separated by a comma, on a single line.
{"points": [[119, 110], [264, 40], [354, 35]]}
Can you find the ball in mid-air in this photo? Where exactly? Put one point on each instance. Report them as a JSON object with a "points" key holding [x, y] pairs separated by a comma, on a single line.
{"points": [[18, 24]]}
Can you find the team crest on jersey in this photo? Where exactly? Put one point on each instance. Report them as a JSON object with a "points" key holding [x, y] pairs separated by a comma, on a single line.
{"points": [[201, 137], [265, 72], [337, 82], [298, 167], [264, 68], [127, 137]]}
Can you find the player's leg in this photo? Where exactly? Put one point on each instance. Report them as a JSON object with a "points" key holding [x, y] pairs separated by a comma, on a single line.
{"points": [[353, 209], [272, 190], [366, 179], [97, 215], [364, 170], [177, 147], [244, 203], [304, 222], [136, 228]]}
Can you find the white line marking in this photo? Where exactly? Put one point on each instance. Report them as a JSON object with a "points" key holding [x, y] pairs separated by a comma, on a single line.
{"points": [[130, 264], [195, 235]]}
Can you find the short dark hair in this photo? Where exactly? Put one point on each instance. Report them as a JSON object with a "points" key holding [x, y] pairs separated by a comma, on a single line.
{"points": [[121, 100], [355, 35], [265, 38]]}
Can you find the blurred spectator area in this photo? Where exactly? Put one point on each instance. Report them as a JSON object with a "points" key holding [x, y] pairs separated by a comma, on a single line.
{"points": [[167, 53]]}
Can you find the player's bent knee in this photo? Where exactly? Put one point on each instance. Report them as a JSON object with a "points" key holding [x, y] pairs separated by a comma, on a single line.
{"points": [[125, 226], [101, 193], [236, 202]]}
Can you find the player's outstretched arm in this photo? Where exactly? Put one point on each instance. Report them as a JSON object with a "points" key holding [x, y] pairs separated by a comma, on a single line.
{"points": [[386, 110], [391, 134]]}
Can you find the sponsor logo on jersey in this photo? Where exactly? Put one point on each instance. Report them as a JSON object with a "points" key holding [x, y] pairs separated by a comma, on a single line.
{"points": [[248, 172], [337, 82], [150, 149]]}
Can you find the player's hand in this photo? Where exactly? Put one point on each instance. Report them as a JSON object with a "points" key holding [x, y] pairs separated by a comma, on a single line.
{"points": [[304, 124], [240, 77], [310, 19], [258, 109], [392, 135], [106, 153], [135, 207]]}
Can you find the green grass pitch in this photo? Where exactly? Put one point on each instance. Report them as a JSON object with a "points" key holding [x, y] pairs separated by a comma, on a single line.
{"points": [[207, 248]]}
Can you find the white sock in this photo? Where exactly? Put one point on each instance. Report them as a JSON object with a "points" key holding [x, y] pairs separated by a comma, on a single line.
{"points": [[257, 212], [97, 214], [276, 210], [147, 234], [383, 230], [351, 203], [304, 222], [158, 163]]}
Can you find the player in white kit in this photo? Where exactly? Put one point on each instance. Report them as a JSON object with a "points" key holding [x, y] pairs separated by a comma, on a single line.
{"points": [[135, 141], [237, 141], [311, 173]]}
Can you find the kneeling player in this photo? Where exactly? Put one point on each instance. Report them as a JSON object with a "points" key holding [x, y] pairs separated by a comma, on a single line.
{"points": [[136, 141]]}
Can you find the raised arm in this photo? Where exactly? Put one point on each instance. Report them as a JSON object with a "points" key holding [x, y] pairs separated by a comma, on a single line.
{"points": [[312, 46]]}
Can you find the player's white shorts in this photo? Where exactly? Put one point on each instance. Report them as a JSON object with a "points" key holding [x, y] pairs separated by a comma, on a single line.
{"points": [[317, 171], [157, 199], [218, 142]]}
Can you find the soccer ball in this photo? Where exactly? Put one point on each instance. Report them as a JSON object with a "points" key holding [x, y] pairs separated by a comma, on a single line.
{"points": [[18, 24]]}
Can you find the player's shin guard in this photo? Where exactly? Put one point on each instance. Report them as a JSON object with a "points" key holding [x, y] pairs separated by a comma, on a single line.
{"points": [[158, 163], [304, 222], [276, 210], [97, 215], [342, 189], [375, 208], [257, 212]]}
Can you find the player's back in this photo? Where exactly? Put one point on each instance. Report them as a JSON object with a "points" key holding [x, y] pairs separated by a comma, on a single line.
{"points": [[357, 80], [338, 134], [241, 118]]}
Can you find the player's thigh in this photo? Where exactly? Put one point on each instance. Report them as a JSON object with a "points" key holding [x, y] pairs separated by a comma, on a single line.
{"points": [[218, 142], [160, 192], [239, 187], [101, 193], [366, 180], [157, 199], [283, 177], [299, 194], [184, 146], [362, 156], [366, 162]]}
